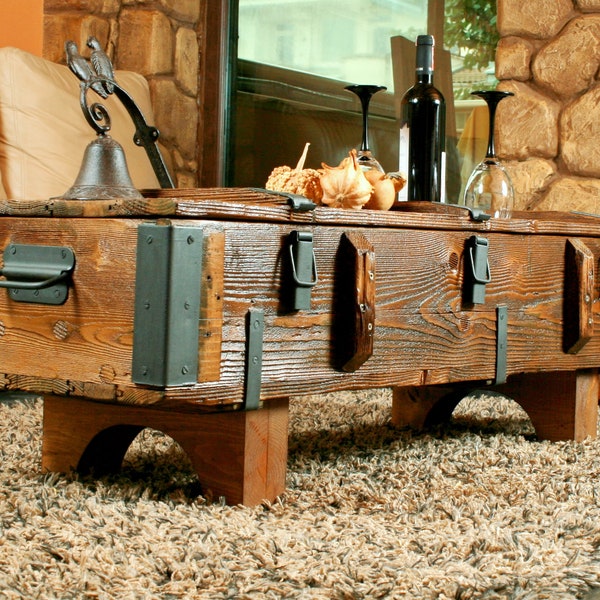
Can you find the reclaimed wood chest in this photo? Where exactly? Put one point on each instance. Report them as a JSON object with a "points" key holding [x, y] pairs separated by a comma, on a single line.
{"points": [[201, 312]]}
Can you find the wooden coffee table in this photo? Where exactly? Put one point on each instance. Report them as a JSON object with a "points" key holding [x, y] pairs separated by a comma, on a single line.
{"points": [[201, 312]]}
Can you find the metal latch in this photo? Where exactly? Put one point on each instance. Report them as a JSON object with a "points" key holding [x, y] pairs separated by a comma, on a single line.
{"points": [[37, 273], [167, 305], [476, 214], [296, 202], [304, 268], [477, 274]]}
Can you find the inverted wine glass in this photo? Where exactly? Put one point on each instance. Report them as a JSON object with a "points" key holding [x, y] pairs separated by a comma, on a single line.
{"points": [[366, 160], [489, 187]]}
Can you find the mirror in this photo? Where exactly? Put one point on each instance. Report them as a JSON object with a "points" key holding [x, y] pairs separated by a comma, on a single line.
{"points": [[294, 59]]}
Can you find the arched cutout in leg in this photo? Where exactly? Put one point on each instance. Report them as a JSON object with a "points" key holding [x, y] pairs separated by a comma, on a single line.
{"points": [[423, 407], [84, 436], [105, 452]]}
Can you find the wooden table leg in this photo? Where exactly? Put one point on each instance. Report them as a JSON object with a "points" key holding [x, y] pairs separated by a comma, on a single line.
{"points": [[561, 405], [240, 455]]}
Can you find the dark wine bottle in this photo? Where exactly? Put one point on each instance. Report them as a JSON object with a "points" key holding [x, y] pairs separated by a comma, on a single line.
{"points": [[423, 132]]}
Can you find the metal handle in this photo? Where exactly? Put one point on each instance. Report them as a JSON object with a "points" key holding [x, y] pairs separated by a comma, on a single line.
{"points": [[32, 285], [38, 274], [475, 265], [304, 282]]}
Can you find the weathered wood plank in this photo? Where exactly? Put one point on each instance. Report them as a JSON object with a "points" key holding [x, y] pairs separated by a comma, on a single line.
{"points": [[211, 308], [56, 207], [245, 204], [88, 338]]}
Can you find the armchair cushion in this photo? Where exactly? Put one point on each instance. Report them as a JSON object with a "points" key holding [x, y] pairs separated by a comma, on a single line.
{"points": [[43, 132]]}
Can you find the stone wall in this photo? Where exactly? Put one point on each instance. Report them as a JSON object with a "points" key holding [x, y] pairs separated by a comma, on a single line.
{"points": [[549, 132], [157, 38]]}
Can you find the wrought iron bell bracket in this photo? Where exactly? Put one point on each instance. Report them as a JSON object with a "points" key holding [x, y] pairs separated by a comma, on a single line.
{"points": [[104, 172]]}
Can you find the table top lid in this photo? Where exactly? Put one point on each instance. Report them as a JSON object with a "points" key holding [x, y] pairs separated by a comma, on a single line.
{"points": [[250, 204]]}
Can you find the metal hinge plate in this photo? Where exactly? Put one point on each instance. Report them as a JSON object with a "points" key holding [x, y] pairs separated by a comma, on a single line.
{"points": [[167, 305]]}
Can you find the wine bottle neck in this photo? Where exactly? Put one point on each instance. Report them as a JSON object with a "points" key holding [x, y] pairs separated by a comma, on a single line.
{"points": [[424, 70], [426, 78]]}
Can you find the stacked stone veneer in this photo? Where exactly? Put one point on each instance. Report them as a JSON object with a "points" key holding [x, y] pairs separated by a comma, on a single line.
{"points": [[549, 133], [157, 38]]}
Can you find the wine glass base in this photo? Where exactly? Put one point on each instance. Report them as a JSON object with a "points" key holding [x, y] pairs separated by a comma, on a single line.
{"points": [[367, 162], [490, 189]]}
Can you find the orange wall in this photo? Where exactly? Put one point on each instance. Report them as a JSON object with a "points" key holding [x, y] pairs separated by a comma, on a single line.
{"points": [[22, 24]]}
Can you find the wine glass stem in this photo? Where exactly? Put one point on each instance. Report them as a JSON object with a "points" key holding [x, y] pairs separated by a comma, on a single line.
{"points": [[364, 101], [491, 149]]}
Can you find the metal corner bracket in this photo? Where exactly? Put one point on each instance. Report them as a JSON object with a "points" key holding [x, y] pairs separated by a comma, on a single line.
{"points": [[167, 304]]}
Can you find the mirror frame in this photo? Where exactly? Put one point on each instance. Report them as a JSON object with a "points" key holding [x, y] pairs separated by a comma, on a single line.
{"points": [[217, 85]]}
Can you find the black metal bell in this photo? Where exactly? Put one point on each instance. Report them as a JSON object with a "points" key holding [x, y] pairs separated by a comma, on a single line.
{"points": [[103, 174]]}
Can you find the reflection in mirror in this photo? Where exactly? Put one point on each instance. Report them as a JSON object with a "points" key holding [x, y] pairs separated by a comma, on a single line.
{"points": [[296, 56]]}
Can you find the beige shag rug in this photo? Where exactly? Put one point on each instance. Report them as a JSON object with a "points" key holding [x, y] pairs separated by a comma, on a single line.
{"points": [[475, 509]]}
